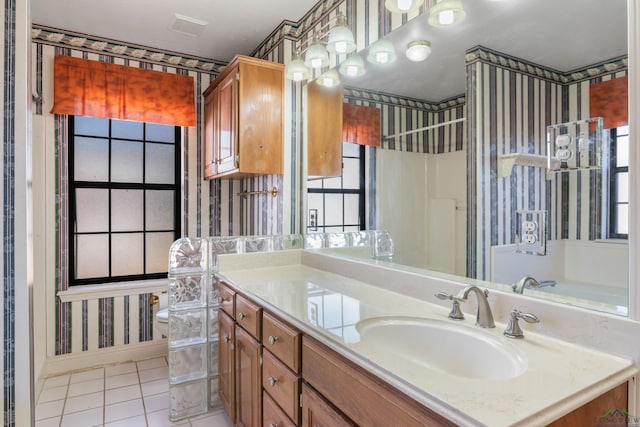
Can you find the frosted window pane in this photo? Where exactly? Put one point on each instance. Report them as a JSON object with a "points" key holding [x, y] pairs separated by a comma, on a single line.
{"points": [[161, 133], [622, 220], [126, 161], [622, 151], [333, 209], [623, 187], [92, 255], [350, 149], [159, 210], [351, 209], [127, 129], [316, 201], [314, 183], [333, 182], [157, 251], [91, 126], [92, 210], [126, 210], [160, 164], [351, 173], [126, 254], [91, 161]]}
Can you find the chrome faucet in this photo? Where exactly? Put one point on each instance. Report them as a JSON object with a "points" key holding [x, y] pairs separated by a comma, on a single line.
{"points": [[525, 282], [484, 317]]}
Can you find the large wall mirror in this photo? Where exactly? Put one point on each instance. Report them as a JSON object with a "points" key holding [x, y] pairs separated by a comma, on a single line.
{"points": [[463, 180]]}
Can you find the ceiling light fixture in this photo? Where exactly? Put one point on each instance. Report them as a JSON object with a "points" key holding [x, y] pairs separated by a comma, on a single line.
{"points": [[329, 79], [340, 37], [403, 6], [296, 70], [352, 67], [381, 52], [445, 13], [418, 50]]}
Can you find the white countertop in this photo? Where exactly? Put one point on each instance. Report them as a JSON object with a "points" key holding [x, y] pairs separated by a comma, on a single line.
{"points": [[559, 377]]}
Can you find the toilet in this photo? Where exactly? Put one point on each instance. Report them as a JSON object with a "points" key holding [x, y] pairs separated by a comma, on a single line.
{"points": [[161, 323]]}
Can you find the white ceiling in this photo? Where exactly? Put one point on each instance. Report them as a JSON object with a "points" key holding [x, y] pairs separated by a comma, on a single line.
{"points": [[235, 26]]}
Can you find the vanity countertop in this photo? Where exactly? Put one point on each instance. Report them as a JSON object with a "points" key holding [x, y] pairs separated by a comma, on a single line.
{"points": [[559, 378]]}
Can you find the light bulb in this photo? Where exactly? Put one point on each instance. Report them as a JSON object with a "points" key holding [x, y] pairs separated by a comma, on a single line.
{"points": [[404, 4], [382, 57], [446, 17], [352, 71], [298, 76], [327, 81], [316, 62], [341, 47]]}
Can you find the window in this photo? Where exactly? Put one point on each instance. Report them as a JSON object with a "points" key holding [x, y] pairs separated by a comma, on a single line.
{"points": [[338, 204], [619, 183], [124, 192]]}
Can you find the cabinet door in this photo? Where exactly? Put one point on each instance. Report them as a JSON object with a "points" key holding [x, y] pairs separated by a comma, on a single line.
{"points": [[226, 364], [316, 412], [248, 380], [227, 122], [209, 161], [324, 130]]}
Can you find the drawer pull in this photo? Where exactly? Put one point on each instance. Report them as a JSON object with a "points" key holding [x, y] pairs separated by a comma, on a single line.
{"points": [[227, 338], [241, 316], [273, 381], [220, 300], [272, 339]]}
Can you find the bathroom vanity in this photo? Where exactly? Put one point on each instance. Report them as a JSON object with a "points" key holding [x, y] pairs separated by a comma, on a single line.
{"points": [[306, 345]]}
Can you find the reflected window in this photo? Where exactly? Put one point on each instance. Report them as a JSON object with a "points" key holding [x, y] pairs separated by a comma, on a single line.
{"points": [[619, 184], [333, 312], [124, 193], [337, 204]]}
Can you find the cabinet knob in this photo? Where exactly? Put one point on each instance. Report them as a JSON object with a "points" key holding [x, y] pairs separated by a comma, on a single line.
{"points": [[227, 338], [273, 425], [220, 300], [272, 381], [241, 316], [272, 339]]}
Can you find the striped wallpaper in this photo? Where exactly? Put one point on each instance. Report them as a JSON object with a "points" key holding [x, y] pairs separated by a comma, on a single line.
{"points": [[510, 104]]}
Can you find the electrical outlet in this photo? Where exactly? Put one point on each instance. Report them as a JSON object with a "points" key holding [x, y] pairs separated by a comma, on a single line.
{"points": [[529, 239], [530, 232], [529, 226], [312, 224]]}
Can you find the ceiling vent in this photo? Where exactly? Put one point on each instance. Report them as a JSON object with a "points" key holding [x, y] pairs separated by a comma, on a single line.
{"points": [[187, 25]]}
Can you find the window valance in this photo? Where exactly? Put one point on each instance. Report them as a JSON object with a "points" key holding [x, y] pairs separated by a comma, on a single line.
{"points": [[609, 100], [361, 124], [98, 89]]}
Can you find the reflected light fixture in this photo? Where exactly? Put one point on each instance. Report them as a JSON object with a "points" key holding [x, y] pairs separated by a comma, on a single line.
{"points": [[381, 52], [445, 13], [403, 6], [418, 50], [329, 78], [340, 37], [296, 70], [316, 56], [352, 67]]}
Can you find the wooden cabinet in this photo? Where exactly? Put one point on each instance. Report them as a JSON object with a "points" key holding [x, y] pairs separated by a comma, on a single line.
{"points": [[324, 130], [226, 364], [248, 380], [591, 413], [317, 412], [244, 120]]}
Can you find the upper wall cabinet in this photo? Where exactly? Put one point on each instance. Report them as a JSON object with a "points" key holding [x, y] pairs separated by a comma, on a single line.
{"points": [[244, 120], [324, 130]]}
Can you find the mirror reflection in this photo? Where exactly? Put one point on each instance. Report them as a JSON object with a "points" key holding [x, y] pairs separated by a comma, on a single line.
{"points": [[492, 163]]}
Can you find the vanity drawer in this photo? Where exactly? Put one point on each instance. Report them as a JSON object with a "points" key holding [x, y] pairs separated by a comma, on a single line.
{"points": [[272, 415], [281, 340], [282, 385], [249, 316], [227, 299]]}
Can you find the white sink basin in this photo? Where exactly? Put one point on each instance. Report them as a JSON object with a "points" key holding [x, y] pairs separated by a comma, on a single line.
{"points": [[410, 343]]}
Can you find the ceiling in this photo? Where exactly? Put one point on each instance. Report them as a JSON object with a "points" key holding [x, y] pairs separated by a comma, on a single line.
{"points": [[234, 27]]}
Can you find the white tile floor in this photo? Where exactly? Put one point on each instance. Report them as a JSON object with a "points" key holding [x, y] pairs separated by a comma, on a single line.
{"points": [[131, 394]]}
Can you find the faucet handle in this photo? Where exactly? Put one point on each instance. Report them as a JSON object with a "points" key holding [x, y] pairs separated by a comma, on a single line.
{"points": [[513, 327], [456, 312]]}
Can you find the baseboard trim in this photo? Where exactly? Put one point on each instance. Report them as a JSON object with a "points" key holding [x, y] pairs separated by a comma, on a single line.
{"points": [[105, 356]]}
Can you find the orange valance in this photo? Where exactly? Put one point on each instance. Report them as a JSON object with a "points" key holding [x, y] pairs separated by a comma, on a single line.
{"points": [[609, 100], [361, 124], [98, 89]]}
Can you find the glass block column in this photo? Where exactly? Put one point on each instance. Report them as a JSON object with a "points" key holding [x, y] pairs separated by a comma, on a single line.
{"points": [[193, 329]]}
